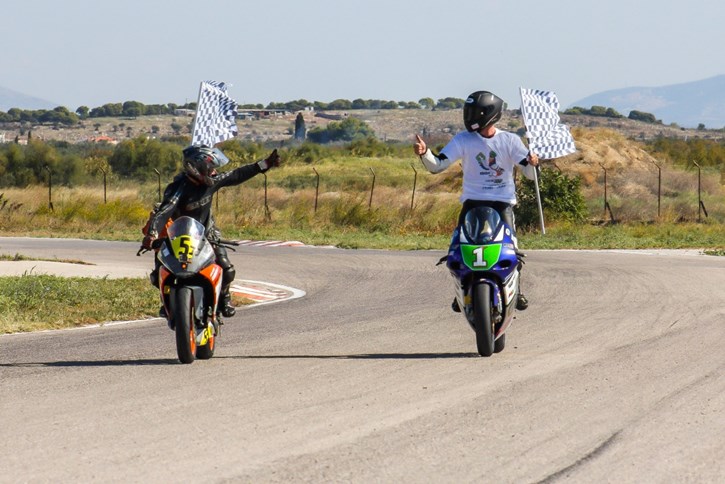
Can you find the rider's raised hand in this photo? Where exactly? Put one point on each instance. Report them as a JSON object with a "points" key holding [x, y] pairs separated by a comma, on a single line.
{"points": [[271, 161], [419, 146]]}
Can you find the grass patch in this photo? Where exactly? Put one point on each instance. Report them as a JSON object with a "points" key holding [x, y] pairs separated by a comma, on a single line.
{"points": [[627, 236], [34, 302], [715, 252], [20, 257]]}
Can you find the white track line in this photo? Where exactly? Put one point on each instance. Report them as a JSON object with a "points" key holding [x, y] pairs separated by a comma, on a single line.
{"points": [[295, 294]]}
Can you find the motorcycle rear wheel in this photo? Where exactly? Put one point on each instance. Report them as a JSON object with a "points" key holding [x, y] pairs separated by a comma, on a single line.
{"points": [[184, 320], [482, 320], [499, 344]]}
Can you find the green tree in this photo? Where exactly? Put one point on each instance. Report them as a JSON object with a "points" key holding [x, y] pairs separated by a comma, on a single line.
{"points": [[427, 102], [300, 129], [133, 109], [450, 103], [340, 105], [83, 111], [138, 157]]}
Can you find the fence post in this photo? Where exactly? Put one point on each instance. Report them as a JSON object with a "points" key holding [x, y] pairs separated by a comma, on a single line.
{"points": [[266, 206], [415, 180], [659, 188], [104, 185], [700, 204], [50, 187], [317, 188], [606, 202], [372, 188], [158, 175]]}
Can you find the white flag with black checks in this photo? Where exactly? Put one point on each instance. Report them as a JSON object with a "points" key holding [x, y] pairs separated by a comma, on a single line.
{"points": [[216, 115], [548, 138]]}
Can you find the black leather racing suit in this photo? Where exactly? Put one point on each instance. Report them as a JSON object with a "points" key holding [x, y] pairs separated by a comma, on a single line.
{"points": [[185, 197]]}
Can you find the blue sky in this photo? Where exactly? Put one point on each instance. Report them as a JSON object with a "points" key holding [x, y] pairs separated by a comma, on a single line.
{"points": [[92, 52]]}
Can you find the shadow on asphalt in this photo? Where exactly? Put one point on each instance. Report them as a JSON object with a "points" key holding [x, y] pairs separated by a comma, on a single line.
{"points": [[168, 361], [64, 364], [370, 356]]}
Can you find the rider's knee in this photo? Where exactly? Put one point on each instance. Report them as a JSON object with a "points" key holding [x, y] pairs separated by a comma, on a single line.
{"points": [[154, 278], [229, 275]]}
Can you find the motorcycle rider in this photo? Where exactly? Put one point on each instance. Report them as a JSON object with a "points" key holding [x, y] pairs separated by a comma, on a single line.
{"points": [[190, 193], [488, 156]]}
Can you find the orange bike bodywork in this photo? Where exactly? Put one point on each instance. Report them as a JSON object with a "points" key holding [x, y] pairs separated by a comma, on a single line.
{"points": [[212, 273]]}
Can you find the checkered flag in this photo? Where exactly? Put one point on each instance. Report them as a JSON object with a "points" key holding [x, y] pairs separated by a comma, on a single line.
{"points": [[548, 138], [216, 115]]}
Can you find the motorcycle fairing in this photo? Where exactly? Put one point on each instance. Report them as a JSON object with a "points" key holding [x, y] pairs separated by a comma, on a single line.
{"points": [[482, 250]]}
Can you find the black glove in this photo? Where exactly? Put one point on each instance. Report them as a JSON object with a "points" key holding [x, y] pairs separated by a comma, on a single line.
{"points": [[269, 162], [148, 241]]}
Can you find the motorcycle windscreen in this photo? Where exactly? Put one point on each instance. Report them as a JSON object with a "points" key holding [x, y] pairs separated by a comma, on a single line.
{"points": [[481, 224], [188, 246]]}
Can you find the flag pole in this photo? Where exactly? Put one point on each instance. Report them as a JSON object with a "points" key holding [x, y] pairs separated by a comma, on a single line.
{"points": [[536, 170], [196, 112], [538, 200]]}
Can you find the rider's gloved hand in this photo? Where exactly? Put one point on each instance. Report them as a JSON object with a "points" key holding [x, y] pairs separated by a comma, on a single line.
{"points": [[148, 240], [269, 162]]}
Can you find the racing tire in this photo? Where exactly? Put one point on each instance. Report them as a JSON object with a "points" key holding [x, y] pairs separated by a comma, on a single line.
{"points": [[482, 320], [184, 322]]}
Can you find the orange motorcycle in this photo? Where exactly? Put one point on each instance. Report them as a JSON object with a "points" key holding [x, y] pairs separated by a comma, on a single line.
{"points": [[190, 284]]}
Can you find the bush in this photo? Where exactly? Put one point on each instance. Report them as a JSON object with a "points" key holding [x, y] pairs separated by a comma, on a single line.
{"points": [[346, 130], [642, 116], [561, 199]]}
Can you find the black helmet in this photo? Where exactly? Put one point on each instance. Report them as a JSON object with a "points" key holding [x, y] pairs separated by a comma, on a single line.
{"points": [[482, 108], [201, 162]]}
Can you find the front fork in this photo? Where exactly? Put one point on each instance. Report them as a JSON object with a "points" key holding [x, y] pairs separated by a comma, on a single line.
{"points": [[168, 293], [465, 301]]}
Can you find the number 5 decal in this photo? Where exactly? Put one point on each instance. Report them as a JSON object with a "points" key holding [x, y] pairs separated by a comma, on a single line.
{"points": [[186, 251]]}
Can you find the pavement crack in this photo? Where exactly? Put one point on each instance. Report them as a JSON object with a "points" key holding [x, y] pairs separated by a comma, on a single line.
{"points": [[590, 456]]}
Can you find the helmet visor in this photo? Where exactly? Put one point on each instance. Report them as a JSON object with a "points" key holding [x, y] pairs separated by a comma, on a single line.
{"points": [[220, 159]]}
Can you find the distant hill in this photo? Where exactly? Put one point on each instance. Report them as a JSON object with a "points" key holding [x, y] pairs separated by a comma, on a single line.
{"points": [[12, 99], [687, 104]]}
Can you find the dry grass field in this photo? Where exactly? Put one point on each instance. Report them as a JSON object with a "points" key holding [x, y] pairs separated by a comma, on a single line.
{"points": [[604, 144]]}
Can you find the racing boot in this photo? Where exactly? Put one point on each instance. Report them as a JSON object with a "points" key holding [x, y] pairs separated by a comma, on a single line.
{"points": [[522, 303], [227, 309]]}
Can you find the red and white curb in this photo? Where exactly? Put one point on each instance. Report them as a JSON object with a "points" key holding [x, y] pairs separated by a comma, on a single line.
{"points": [[271, 243], [264, 292]]}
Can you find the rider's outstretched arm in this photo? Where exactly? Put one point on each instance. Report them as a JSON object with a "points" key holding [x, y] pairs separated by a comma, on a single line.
{"points": [[435, 163]]}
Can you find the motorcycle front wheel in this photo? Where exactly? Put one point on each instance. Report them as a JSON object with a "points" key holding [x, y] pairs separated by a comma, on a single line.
{"points": [[184, 320], [207, 351], [482, 320]]}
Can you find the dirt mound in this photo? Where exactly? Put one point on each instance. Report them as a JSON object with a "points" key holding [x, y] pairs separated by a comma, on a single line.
{"points": [[600, 149]]}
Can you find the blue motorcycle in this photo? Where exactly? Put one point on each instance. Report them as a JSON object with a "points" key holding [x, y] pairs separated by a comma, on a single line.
{"points": [[484, 263]]}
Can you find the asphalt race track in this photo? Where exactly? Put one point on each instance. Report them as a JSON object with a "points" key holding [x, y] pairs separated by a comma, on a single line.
{"points": [[615, 373]]}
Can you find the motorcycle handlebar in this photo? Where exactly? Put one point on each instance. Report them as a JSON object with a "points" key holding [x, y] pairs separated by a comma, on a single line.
{"points": [[229, 244], [154, 245]]}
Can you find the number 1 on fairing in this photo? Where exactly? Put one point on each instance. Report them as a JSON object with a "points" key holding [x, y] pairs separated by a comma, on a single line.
{"points": [[479, 262]]}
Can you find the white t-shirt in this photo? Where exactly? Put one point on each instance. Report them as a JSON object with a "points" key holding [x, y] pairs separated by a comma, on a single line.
{"points": [[488, 164]]}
